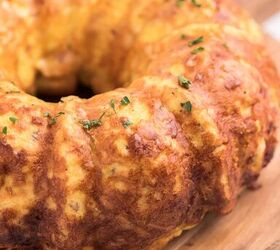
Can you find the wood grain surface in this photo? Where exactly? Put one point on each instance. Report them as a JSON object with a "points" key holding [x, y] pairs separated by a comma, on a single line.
{"points": [[255, 222]]}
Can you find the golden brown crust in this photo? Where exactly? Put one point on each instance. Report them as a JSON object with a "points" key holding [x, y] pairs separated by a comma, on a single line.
{"points": [[108, 173]]}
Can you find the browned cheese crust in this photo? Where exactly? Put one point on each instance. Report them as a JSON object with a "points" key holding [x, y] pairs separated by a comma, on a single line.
{"points": [[133, 167]]}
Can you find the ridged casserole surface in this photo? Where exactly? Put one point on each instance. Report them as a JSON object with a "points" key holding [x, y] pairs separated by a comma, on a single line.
{"points": [[133, 167]]}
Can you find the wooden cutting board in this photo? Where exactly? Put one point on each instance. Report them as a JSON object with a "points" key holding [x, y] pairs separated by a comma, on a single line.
{"points": [[255, 222]]}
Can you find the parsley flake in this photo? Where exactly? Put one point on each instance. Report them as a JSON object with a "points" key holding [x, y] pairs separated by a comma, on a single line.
{"points": [[179, 3], [112, 105], [184, 82], [127, 123], [89, 124], [195, 3], [13, 92], [13, 119], [125, 101], [47, 114], [225, 46], [187, 106], [183, 37], [52, 120], [196, 41], [5, 131], [197, 50]]}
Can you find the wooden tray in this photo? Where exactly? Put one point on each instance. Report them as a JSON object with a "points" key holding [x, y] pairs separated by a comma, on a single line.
{"points": [[255, 222]]}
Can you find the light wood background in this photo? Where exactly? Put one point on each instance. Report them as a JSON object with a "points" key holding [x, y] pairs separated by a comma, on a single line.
{"points": [[255, 222]]}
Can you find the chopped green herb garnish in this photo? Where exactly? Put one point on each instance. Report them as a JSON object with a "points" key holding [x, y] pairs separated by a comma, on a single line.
{"points": [[196, 41], [127, 123], [112, 105], [13, 92], [125, 101], [89, 124], [187, 106], [197, 50], [180, 3], [13, 119], [195, 3], [52, 120], [5, 131], [183, 36], [47, 114], [225, 46], [184, 82]]}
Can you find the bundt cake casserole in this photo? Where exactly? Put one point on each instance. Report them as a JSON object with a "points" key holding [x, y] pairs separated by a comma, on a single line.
{"points": [[133, 167]]}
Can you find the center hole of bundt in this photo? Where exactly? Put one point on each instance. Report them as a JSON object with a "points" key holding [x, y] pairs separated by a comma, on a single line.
{"points": [[52, 89], [80, 90]]}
